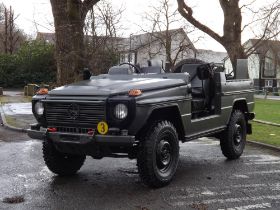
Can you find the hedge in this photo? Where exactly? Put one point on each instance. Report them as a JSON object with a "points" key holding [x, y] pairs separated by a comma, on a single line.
{"points": [[33, 63]]}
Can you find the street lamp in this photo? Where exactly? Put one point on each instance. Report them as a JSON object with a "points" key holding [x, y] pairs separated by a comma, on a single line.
{"points": [[129, 55]]}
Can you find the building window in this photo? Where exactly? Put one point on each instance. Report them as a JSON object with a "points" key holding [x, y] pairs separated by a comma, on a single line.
{"points": [[268, 83], [278, 83], [269, 68]]}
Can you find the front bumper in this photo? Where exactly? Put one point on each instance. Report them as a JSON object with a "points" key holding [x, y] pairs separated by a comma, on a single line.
{"points": [[82, 139]]}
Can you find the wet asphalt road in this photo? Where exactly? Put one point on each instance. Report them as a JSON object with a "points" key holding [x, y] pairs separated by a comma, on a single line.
{"points": [[204, 180]]}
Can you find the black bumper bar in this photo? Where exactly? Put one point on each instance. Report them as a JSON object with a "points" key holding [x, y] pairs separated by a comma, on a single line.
{"points": [[82, 139]]}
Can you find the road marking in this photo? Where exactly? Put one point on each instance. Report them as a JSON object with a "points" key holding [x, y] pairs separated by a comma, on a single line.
{"points": [[248, 207], [263, 163], [241, 176], [228, 200], [260, 172], [231, 200], [262, 158], [194, 195]]}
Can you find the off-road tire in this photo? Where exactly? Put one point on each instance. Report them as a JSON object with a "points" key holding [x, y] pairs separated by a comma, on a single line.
{"points": [[59, 163], [233, 139], [158, 154]]}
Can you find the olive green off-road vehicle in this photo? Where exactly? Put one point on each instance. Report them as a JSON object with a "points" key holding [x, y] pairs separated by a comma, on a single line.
{"points": [[143, 113]]}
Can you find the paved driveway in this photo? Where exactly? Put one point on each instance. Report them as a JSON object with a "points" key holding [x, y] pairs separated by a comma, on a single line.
{"points": [[204, 180]]}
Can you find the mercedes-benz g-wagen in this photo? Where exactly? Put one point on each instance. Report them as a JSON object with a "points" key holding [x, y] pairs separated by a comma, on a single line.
{"points": [[142, 113]]}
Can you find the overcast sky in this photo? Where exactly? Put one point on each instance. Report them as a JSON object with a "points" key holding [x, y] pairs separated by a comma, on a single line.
{"points": [[207, 11]]}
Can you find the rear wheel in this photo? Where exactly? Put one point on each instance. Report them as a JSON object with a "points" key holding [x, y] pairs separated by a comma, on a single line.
{"points": [[233, 140], [158, 154], [59, 163]]}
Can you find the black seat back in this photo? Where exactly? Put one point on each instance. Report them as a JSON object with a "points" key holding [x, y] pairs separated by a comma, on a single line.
{"points": [[192, 70], [119, 70], [151, 70]]}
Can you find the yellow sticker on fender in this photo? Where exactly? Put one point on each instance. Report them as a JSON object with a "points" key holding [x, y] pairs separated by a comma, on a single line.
{"points": [[102, 127]]}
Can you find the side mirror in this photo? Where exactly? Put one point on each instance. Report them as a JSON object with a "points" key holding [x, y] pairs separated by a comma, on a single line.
{"points": [[203, 71], [86, 74]]}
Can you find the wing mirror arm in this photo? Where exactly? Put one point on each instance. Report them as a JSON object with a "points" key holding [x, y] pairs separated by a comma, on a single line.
{"points": [[189, 89], [86, 74]]}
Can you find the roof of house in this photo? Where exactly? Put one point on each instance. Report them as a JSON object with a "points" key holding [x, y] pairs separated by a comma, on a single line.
{"points": [[132, 43], [142, 40], [262, 46]]}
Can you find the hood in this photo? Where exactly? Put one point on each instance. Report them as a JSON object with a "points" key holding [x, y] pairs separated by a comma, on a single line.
{"points": [[104, 85]]}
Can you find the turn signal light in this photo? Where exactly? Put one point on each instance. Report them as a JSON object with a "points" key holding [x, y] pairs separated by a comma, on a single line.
{"points": [[52, 130], [135, 92], [43, 91]]}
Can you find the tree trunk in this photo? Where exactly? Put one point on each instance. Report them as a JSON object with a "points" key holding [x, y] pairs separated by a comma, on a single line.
{"points": [[168, 43], [69, 17], [69, 40], [231, 39], [235, 52], [6, 31]]}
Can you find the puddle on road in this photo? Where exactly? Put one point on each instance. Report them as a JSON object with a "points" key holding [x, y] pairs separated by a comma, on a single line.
{"points": [[129, 172], [14, 199], [17, 108]]}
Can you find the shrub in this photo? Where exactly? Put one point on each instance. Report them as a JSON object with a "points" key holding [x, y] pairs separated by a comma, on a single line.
{"points": [[33, 63]]}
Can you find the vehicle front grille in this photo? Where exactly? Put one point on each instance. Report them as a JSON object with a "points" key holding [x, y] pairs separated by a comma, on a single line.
{"points": [[73, 130], [76, 115]]}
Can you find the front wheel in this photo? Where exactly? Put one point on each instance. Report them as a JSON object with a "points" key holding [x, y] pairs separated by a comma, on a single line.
{"points": [[158, 154], [59, 163], [233, 139]]}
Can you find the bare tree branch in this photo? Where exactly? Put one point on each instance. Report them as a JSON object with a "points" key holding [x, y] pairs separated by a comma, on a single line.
{"points": [[86, 6], [11, 37], [187, 13], [162, 18]]}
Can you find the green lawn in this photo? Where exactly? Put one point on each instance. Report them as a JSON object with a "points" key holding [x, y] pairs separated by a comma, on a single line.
{"points": [[15, 99], [265, 133], [267, 110]]}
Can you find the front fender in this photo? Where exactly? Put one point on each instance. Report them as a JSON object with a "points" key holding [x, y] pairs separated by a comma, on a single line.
{"points": [[144, 114]]}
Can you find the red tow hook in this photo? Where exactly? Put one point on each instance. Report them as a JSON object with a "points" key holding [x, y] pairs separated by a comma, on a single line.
{"points": [[91, 132], [52, 130]]}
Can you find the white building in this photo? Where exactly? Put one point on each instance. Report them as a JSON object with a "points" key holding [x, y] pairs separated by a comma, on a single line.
{"points": [[263, 63], [138, 49]]}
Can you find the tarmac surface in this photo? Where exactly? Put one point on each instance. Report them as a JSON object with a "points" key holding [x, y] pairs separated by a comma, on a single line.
{"points": [[204, 180]]}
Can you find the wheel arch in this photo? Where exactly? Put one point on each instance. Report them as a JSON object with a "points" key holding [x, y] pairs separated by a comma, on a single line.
{"points": [[170, 113], [239, 104]]}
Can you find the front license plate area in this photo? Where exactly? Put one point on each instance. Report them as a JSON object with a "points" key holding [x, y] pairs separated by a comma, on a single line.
{"points": [[70, 138]]}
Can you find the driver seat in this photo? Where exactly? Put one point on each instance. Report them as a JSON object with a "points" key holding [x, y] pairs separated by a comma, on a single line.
{"points": [[151, 70], [200, 88], [115, 70]]}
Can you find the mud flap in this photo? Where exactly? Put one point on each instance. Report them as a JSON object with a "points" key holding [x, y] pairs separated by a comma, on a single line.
{"points": [[249, 128]]}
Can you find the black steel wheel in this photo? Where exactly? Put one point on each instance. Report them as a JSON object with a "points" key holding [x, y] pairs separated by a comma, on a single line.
{"points": [[158, 154], [60, 163], [233, 140]]}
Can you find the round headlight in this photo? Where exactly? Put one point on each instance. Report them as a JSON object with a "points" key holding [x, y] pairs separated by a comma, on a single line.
{"points": [[120, 111], [39, 108]]}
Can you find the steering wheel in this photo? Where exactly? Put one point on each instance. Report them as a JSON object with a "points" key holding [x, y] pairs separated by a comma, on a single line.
{"points": [[134, 66]]}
